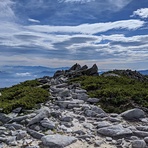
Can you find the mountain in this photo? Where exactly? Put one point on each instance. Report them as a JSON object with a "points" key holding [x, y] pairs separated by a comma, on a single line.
{"points": [[144, 72], [11, 75]]}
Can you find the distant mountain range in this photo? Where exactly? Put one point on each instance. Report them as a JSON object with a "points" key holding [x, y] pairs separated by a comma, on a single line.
{"points": [[11, 75]]}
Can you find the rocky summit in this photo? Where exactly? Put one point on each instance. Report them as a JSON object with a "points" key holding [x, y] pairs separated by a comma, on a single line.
{"points": [[71, 119]]}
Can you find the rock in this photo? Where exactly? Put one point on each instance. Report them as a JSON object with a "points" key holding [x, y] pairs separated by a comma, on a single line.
{"points": [[141, 133], [84, 67], [97, 110], [17, 110], [43, 113], [114, 130], [4, 118], [14, 125], [133, 114], [75, 67], [21, 135], [109, 139], [92, 71], [35, 134], [93, 100], [66, 119], [138, 144], [80, 91], [90, 113], [65, 104], [57, 141], [146, 139], [103, 124], [47, 123], [142, 128], [98, 143], [64, 93]]}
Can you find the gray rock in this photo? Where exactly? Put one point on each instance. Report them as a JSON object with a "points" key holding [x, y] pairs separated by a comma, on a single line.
{"points": [[82, 96], [114, 130], [35, 134], [109, 139], [93, 100], [47, 123], [142, 128], [90, 113], [141, 133], [4, 118], [112, 119], [80, 132], [146, 139], [64, 104], [133, 114], [21, 134], [14, 125], [103, 124], [43, 113], [80, 91], [97, 109], [57, 141], [64, 93], [98, 142], [17, 110], [138, 144], [2, 128], [67, 119]]}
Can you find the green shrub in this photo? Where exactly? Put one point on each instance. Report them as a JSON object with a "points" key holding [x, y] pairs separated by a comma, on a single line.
{"points": [[25, 95], [117, 94]]}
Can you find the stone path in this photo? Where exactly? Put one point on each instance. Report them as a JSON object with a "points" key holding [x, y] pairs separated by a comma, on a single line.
{"points": [[68, 120]]}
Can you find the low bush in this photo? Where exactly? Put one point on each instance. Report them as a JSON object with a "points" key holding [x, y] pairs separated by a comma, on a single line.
{"points": [[25, 95], [116, 94]]}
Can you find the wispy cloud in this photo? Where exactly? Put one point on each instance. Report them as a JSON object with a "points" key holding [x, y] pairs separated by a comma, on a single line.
{"points": [[33, 20], [143, 13], [93, 28]]}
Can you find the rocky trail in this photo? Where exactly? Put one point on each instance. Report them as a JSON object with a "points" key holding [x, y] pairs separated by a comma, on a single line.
{"points": [[70, 119]]}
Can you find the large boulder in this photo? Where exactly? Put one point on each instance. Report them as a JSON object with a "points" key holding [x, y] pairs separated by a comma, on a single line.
{"points": [[138, 144], [92, 71], [114, 130], [75, 67], [4, 118], [133, 114], [57, 141], [43, 113]]}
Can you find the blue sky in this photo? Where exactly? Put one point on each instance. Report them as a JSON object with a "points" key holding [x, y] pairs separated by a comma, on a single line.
{"points": [[56, 33]]}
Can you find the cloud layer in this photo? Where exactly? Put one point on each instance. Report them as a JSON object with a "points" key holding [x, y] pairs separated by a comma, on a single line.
{"points": [[62, 32]]}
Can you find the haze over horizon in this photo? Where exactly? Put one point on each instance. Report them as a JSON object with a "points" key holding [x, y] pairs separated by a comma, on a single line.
{"points": [[59, 33]]}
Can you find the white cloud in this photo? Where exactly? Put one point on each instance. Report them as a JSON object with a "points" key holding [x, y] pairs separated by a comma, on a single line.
{"points": [[143, 13], [93, 28], [6, 12], [73, 1], [25, 74], [33, 20]]}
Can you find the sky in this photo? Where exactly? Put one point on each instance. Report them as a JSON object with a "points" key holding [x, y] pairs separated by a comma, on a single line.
{"points": [[56, 33]]}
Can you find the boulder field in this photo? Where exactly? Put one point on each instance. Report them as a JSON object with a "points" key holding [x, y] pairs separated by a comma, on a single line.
{"points": [[70, 120]]}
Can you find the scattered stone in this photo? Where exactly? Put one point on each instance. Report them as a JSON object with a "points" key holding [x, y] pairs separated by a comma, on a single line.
{"points": [[4, 118], [43, 113], [93, 100], [138, 144], [35, 134], [57, 141], [133, 114], [114, 130]]}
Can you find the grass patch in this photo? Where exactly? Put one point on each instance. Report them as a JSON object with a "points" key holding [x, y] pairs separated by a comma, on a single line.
{"points": [[117, 94], [25, 95]]}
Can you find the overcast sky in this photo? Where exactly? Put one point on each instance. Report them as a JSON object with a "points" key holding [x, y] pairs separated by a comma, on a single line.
{"points": [[54, 33]]}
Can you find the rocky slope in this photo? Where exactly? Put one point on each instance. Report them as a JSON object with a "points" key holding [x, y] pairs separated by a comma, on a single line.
{"points": [[68, 120]]}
